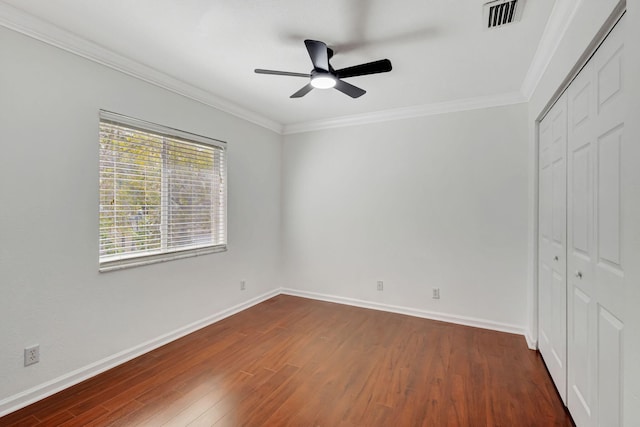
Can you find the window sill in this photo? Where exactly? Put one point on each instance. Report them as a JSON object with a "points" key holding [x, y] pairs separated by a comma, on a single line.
{"points": [[153, 259]]}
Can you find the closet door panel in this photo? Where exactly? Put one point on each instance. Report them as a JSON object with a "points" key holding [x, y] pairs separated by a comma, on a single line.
{"points": [[581, 204], [609, 368], [544, 240], [609, 268], [609, 146], [580, 248], [552, 243], [594, 260], [581, 381]]}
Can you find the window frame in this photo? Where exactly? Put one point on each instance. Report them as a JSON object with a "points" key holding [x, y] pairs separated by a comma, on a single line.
{"points": [[175, 253]]}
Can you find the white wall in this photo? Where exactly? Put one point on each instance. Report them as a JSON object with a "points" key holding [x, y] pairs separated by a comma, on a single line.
{"points": [[438, 201], [50, 290]]}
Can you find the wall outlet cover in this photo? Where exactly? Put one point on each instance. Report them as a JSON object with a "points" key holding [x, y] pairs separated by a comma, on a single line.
{"points": [[31, 355]]}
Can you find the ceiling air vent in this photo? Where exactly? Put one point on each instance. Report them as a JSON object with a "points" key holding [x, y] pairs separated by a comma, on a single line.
{"points": [[502, 12]]}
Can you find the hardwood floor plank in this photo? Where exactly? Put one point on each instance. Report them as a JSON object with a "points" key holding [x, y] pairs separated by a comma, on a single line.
{"points": [[61, 400], [297, 362], [166, 366], [86, 418], [272, 398], [221, 399], [20, 420], [249, 403], [57, 419], [114, 416]]}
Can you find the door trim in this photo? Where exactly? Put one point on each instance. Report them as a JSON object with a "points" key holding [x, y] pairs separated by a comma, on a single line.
{"points": [[591, 49]]}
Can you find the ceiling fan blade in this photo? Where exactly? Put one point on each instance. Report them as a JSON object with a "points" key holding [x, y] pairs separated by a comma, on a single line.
{"points": [[319, 54], [349, 89], [381, 66], [281, 73], [302, 92]]}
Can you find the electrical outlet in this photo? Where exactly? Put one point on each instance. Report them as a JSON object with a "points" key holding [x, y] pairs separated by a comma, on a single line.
{"points": [[380, 285], [31, 355], [436, 293], [243, 285]]}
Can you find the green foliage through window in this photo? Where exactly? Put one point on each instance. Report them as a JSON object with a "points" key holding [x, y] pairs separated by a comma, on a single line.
{"points": [[159, 193]]}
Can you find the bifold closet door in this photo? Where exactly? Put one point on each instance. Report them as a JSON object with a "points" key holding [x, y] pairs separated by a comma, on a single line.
{"points": [[552, 262], [596, 112]]}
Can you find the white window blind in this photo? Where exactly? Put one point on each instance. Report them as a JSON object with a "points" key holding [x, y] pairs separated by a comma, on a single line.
{"points": [[162, 193]]}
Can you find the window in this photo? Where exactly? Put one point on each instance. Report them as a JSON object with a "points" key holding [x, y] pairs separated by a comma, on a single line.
{"points": [[162, 193]]}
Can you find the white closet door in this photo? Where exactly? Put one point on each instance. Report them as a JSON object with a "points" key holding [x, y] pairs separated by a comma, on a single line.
{"points": [[581, 247], [552, 290], [595, 280]]}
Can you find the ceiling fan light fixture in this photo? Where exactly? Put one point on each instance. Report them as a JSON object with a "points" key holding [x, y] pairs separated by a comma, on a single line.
{"points": [[323, 81], [323, 76]]}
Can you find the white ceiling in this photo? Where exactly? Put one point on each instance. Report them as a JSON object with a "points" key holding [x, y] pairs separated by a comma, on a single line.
{"points": [[439, 48]]}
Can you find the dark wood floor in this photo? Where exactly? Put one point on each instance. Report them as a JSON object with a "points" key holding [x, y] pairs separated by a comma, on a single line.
{"points": [[298, 362]]}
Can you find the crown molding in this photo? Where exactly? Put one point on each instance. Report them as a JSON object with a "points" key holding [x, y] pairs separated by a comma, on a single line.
{"points": [[559, 20], [561, 16], [22, 22], [407, 112]]}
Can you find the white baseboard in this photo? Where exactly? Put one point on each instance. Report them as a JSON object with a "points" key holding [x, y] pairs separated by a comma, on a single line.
{"points": [[27, 397], [531, 342], [450, 318]]}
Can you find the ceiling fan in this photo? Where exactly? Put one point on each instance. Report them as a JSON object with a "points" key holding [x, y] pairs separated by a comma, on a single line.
{"points": [[323, 76]]}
